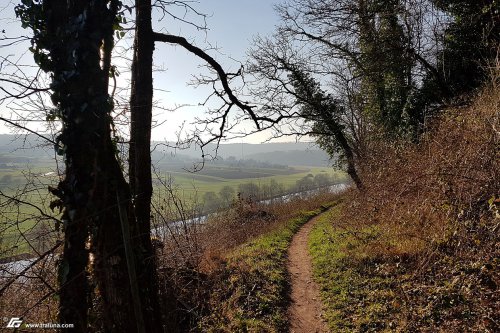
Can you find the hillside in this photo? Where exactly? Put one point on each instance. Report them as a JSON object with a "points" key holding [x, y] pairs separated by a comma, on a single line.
{"points": [[283, 153], [416, 251], [386, 220], [306, 157], [33, 149]]}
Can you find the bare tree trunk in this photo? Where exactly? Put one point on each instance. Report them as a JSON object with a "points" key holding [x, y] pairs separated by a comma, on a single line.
{"points": [[141, 102]]}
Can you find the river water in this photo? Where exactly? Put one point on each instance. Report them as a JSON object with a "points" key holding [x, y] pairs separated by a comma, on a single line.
{"points": [[10, 269]]}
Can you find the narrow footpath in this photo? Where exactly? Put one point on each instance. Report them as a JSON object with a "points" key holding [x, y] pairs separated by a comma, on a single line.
{"points": [[305, 309]]}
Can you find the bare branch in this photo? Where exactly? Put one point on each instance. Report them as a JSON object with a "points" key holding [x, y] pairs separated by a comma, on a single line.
{"points": [[10, 122], [223, 76], [27, 268]]}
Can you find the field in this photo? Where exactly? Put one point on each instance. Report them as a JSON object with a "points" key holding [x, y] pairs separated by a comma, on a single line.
{"points": [[28, 185], [213, 179], [18, 221]]}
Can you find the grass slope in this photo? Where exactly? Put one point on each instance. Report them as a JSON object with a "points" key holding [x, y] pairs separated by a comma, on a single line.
{"points": [[255, 299], [418, 249], [448, 286], [356, 291]]}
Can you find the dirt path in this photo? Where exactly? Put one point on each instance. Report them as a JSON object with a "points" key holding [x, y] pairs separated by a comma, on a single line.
{"points": [[305, 308]]}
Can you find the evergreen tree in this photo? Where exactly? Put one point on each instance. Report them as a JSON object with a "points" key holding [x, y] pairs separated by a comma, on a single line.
{"points": [[386, 71], [471, 43]]}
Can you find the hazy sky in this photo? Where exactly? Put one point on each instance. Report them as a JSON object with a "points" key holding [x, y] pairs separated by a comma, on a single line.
{"points": [[231, 26]]}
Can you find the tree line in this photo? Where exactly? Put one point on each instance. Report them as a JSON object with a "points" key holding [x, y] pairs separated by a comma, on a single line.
{"points": [[253, 191], [354, 73]]}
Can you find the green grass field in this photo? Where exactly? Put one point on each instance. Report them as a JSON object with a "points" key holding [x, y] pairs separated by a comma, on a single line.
{"points": [[18, 221], [29, 185], [205, 181]]}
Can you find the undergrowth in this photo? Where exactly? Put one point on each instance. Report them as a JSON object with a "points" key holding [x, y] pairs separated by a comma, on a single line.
{"points": [[417, 250], [237, 280]]}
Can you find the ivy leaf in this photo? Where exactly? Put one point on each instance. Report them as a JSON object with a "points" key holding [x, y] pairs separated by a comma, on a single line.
{"points": [[60, 149]]}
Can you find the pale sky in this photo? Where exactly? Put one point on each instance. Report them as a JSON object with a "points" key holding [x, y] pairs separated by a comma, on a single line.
{"points": [[231, 24]]}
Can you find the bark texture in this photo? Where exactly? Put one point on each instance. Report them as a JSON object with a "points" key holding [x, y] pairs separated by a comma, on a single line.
{"points": [[141, 104], [75, 34]]}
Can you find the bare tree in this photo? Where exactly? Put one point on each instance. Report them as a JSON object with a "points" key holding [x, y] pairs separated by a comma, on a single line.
{"points": [[382, 49], [141, 105]]}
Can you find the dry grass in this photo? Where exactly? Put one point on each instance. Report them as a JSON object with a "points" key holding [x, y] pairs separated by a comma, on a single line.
{"points": [[193, 270], [419, 191], [207, 285], [428, 225], [247, 220], [32, 297]]}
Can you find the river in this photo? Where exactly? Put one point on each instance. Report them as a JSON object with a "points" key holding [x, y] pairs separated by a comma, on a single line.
{"points": [[10, 269]]}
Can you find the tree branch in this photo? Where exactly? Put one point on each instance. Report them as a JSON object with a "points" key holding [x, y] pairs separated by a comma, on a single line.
{"points": [[27, 268], [160, 37], [28, 130]]}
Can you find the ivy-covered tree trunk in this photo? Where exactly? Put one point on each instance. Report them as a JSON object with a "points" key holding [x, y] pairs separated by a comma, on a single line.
{"points": [[69, 39], [325, 116], [386, 80], [94, 181]]}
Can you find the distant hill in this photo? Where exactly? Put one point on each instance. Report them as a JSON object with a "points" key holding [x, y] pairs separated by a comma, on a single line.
{"points": [[293, 157], [26, 147], [282, 153]]}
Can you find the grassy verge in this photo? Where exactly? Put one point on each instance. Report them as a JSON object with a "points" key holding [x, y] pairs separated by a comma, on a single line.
{"points": [[356, 288], [255, 297]]}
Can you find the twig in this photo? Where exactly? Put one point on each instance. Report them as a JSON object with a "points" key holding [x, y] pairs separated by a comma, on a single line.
{"points": [[27, 268]]}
